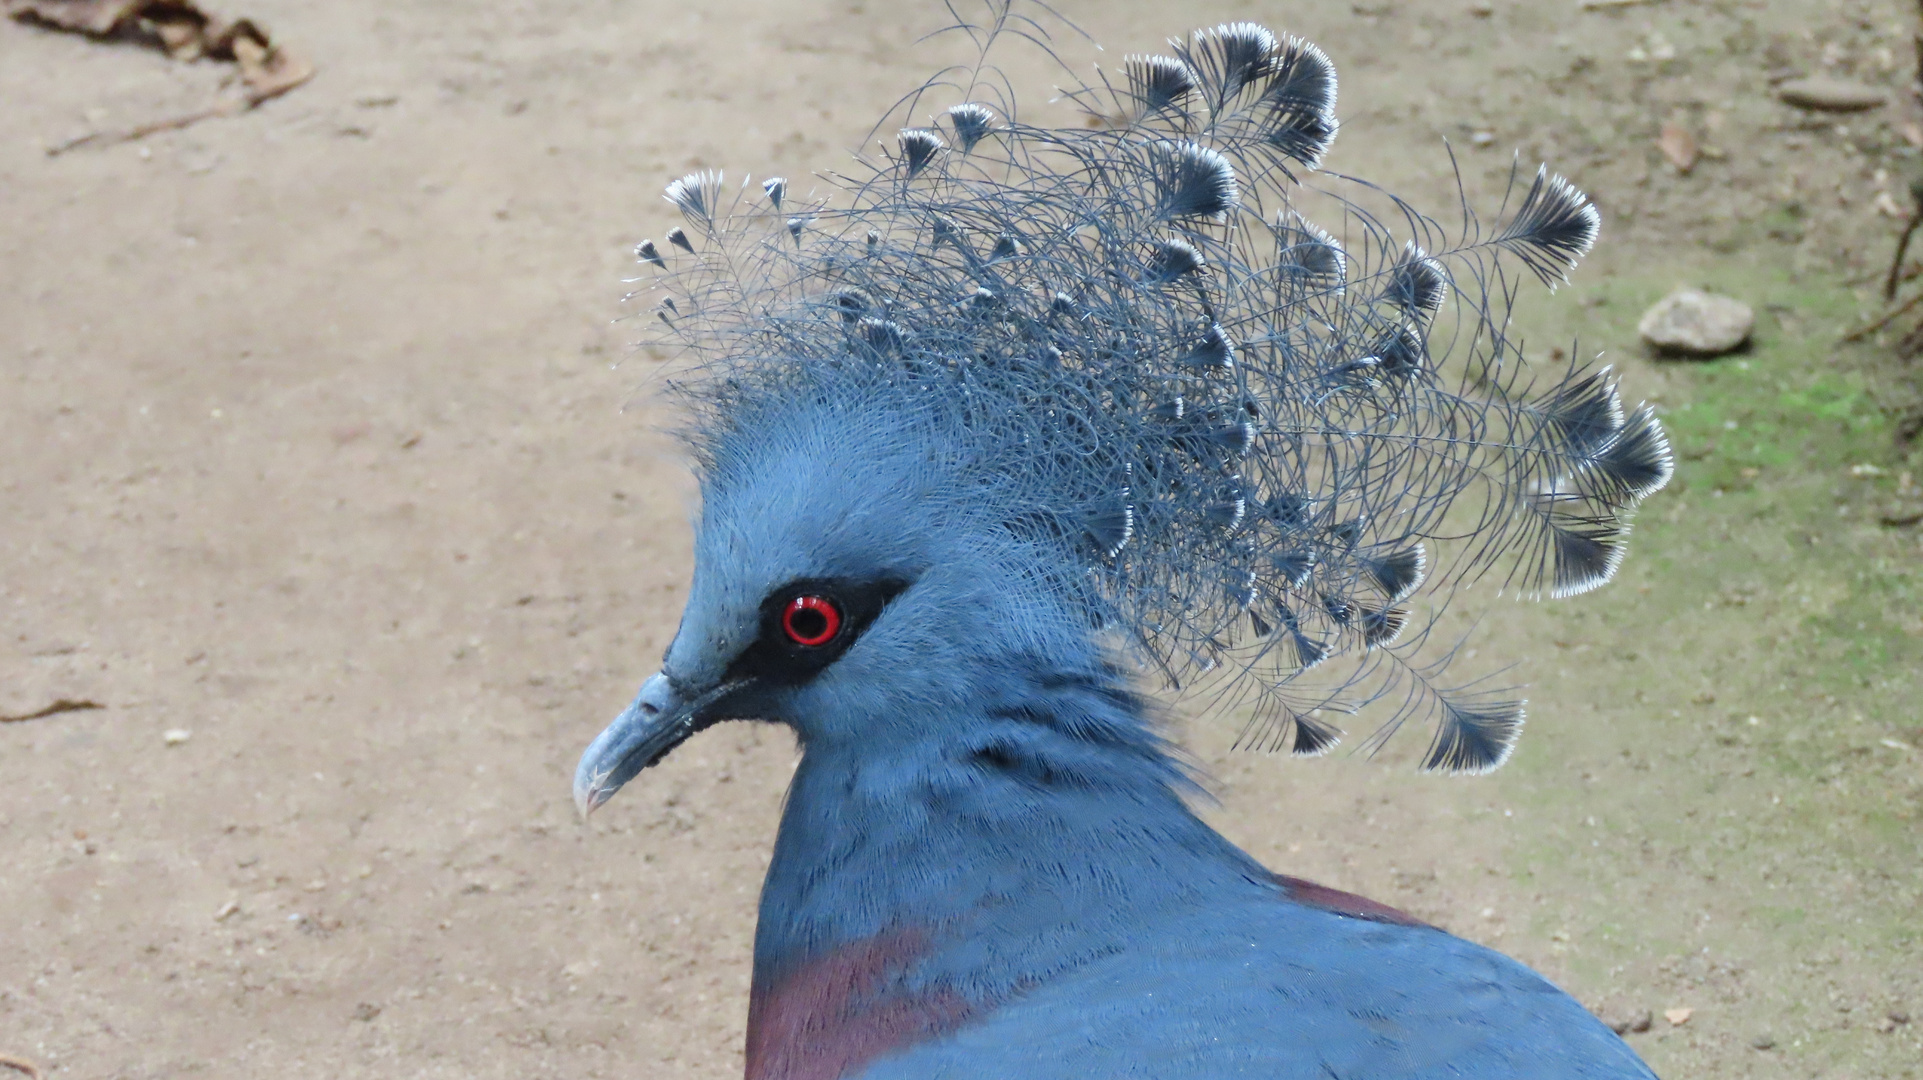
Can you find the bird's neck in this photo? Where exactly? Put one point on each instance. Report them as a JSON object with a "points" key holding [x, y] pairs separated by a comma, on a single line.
{"points": [[915, 886]]}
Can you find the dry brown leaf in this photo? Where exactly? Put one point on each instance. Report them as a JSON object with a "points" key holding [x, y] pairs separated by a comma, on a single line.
{"points": [[186, 33], [97, 17], [1679, 147], [180, 27]]}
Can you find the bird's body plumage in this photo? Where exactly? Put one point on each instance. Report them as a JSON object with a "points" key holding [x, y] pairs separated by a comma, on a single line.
{"points": [[1031, 416], [1062, 914]]}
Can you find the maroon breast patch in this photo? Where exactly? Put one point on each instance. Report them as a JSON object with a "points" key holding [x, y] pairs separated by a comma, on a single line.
{"points": [[832, 1015]]}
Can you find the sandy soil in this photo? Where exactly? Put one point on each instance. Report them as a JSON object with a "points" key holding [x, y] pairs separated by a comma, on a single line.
{"points": [[317, 442]]}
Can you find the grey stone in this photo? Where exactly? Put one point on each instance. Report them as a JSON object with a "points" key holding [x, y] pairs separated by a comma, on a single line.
{"points": [[1826, 94], [1631, 1022], [1689, 322]]}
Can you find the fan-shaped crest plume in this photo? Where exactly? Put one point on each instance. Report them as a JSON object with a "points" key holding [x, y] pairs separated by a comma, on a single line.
{"points": [[972, 123], [1305, 251], [697, 195], [1171, 259], [1299, 102], [1397, 573], [1555, 226], [1311, 737], [1195, 182], [1474, 736], [1214, 352], [918, 148], [1418, 284], [1231, 437], [1157, 84]]}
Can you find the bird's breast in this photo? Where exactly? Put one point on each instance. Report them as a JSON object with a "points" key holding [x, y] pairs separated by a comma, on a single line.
{"points": [[828, 1016]]}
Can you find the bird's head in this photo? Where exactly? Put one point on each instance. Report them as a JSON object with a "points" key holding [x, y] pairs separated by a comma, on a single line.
{"points": [[840, 587]]}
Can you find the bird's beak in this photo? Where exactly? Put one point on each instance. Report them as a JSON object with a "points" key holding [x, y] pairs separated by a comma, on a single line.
{"points": [[660, 719]]}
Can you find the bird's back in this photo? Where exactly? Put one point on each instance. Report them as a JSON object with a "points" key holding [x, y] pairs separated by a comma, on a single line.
{"points": [[1273, 988]]}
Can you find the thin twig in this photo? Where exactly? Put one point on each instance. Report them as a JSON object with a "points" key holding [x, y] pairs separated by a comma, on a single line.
{"points": [[1902, 249], [1863, 332], [1611, 5], [1916, 39], [20, 1064], [114, 138], [266, 72], [1858, 335], [59, 706]]}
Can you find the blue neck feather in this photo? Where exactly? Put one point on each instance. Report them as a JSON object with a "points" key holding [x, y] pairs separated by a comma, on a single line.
{"points": [[1052, 797]]}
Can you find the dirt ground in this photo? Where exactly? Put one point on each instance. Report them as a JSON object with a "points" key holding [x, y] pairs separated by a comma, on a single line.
{"points": [[318, 444]]}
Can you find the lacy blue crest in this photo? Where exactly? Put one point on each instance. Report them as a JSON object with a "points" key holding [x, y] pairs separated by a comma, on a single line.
{"points": [[1249, 425]]}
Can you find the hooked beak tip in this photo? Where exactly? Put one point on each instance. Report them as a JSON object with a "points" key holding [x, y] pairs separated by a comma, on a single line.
{"points": [[658, 721], [589, 796]]}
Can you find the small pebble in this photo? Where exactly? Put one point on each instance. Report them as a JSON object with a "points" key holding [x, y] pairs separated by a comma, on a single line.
{"points": [[176, 736], [1483, 138], [1482, 9], [1690, 322], [1631, 1023], [1677, 1017], [1763, 1042], [1825, 94]]}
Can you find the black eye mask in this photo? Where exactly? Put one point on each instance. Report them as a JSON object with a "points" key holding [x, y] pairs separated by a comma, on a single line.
{"points": [[807, 624]]}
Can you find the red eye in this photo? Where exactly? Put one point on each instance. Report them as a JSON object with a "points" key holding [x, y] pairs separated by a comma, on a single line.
{"points": [[811, 620]]}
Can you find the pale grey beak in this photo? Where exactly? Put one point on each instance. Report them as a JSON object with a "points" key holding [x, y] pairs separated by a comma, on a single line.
{"points": [[658, 720]]}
